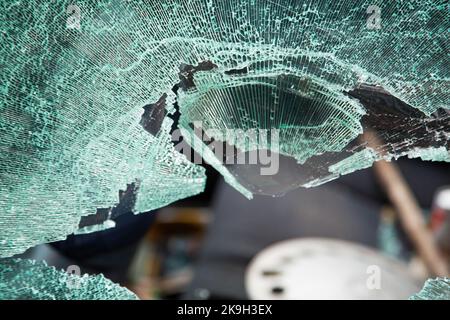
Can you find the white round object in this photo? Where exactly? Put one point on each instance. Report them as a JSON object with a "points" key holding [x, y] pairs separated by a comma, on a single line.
{"points": [[326, 269], [443, 198]]}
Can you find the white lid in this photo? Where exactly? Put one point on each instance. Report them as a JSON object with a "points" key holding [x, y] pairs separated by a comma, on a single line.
{"points": [[443, 198]]}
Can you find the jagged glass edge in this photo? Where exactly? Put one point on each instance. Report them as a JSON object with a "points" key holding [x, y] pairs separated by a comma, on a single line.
{"points": [[34, 280]]}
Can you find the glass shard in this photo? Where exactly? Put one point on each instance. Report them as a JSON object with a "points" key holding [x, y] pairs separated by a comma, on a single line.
{"points": [[33, 280], [434, 289]]}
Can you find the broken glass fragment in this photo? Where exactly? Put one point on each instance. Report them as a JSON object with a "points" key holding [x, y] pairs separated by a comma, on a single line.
{"points": [[430, 154], [87, 100], [32, 280], [70, 110], [434, 289]]}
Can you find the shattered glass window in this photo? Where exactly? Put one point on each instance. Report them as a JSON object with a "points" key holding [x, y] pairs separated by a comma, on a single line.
{"points": [[92, 93]]}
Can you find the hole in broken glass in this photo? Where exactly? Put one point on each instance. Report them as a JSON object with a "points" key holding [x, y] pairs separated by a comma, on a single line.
{"points": [[317, 129]]}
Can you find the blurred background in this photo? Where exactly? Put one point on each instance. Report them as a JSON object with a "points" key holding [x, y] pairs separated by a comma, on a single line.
{"points": [[219, 245]]}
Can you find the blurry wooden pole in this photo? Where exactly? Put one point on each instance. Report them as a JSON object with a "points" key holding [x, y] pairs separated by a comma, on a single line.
{"points": [[410, 213]]}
